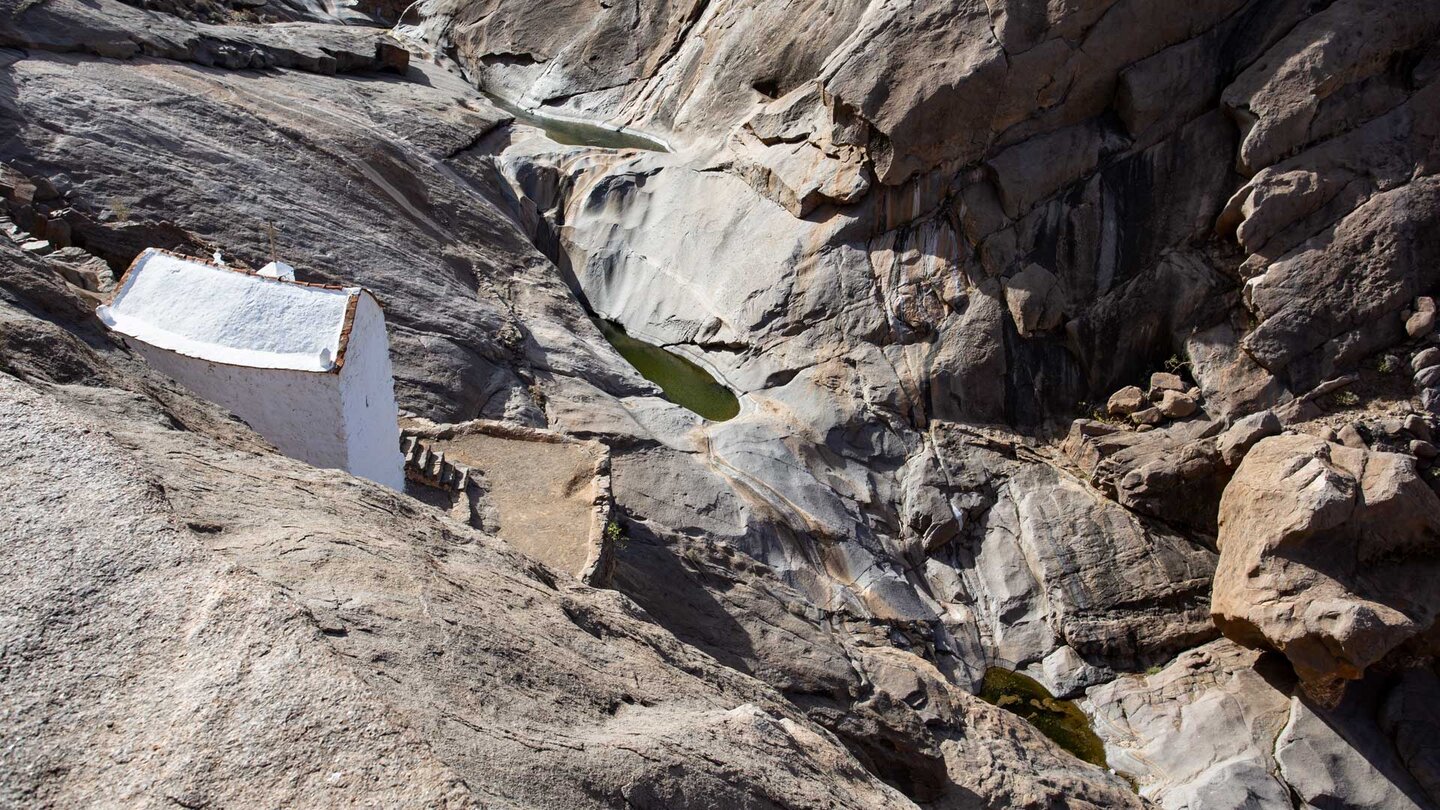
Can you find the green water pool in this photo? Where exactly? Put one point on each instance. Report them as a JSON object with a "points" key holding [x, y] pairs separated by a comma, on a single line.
{"points": [[578, 133], [683, 382], [1060, 720]]}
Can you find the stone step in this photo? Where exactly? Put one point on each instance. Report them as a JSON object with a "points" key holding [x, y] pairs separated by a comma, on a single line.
{"points": [[432, 467]]}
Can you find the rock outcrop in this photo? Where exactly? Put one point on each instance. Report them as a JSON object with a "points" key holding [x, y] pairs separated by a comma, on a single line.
{"points": [[1222, 726], [1327, 554], [915, 240], [316, 639]]}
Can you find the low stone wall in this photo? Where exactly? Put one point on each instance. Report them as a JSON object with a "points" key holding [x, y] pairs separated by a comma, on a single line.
{"points": [[437, 469]]}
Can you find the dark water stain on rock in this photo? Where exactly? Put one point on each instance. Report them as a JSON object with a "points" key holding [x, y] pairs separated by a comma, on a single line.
{"points": [[1060, 720], [683, 382]]}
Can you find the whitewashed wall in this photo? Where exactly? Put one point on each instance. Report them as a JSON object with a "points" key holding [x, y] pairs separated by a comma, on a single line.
{"points": [[298, 411], [367, 392]]}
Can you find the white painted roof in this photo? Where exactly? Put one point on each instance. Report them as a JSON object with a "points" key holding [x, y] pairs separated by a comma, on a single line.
{"points": [[278, 270], [192, 307]]}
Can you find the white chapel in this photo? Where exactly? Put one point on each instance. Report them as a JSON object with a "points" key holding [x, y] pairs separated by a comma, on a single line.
{"points": [[307, 366]]}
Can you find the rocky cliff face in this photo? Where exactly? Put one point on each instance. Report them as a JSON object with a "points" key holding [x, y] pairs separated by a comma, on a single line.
{"points": [[917, 240]]}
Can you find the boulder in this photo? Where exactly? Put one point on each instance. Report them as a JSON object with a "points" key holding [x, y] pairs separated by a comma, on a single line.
{"points": [[1035, 300], [1174, 474], [1177, 405], [1197, 734], [1328, 554], [1125, 401], [1350, 436], [1148, 416], [1235, 442], [1421, 323], [1425, 359], [1223, 727], [1162, 381], [1416, 426]]}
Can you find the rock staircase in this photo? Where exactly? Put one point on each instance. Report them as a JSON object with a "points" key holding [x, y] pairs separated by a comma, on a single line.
{"points": [[431, 468], [464, 486]]}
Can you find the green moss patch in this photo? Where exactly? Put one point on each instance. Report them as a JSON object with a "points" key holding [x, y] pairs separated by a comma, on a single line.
{"points": [[1060, 720]]}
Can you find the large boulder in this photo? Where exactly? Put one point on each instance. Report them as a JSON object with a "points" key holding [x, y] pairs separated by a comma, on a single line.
{"points": [[1328, 554], [1223, 727]]}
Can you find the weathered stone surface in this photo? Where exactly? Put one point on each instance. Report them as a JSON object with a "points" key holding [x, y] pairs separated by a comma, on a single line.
{"points": [[1326, 555], [1175, 474], [1350, 43], [1309, 326], [1125, 401], [342, 644], [111, 29], [1322, 767], [413, 234], [1035, 301], [1409, 717], [854, 190], [1198, 733], [1236, 441], [1224, 727], [1177, 405]]}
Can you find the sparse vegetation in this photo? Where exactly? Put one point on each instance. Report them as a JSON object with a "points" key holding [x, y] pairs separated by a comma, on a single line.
{"points": [[614, 534], [1176, 363], [120, 209], [1096, 412], [1347, 399], [1389, 364]]}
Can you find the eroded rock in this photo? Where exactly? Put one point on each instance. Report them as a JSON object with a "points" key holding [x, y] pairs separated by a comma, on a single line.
{"points": [[1327, 555]]}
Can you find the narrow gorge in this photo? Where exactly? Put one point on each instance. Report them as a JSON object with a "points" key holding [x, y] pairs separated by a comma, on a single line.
{"points": [[966, 404]]}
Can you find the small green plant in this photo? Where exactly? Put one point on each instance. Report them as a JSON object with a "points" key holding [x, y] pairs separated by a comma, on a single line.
{"points": [[1347, 399], [1388, 364], [614, 535], [1155, 670], [120, 208], [1090, 410], [1175, 363]]}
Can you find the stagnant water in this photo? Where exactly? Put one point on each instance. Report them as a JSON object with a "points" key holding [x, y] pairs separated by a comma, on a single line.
{"points": [[1060, 720], [683, 382], [578, 133]]}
